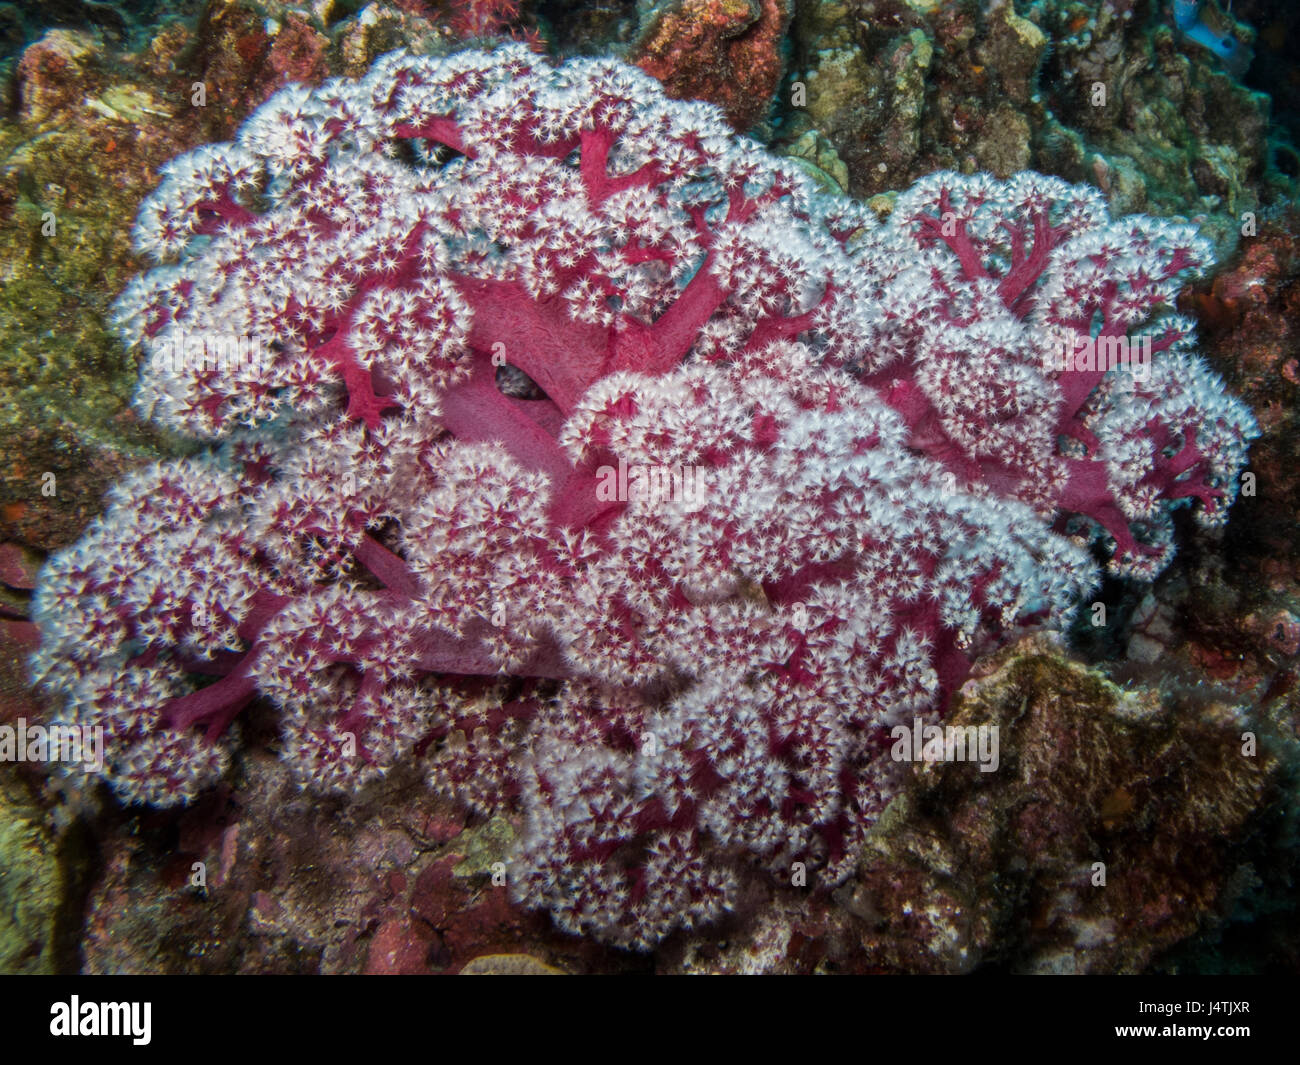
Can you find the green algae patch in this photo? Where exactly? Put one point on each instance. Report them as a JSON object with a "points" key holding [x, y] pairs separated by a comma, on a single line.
{"points": [[31, 884]]}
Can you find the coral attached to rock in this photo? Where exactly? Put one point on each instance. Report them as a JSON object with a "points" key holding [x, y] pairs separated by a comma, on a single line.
{"points": [[725, 51], [569, 440]]}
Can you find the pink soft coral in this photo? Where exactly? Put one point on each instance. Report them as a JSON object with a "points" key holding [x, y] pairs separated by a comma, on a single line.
{"points": [[500, 313]]}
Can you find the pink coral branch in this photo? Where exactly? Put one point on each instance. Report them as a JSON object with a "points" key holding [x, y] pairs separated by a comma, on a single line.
{"points": [[214, 706]]}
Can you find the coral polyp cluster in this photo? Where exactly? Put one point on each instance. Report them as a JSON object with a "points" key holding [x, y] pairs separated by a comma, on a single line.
{"points": [[459, 334]]}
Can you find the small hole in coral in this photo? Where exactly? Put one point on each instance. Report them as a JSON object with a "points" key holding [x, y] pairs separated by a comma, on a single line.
{"points": [[513, 382]]}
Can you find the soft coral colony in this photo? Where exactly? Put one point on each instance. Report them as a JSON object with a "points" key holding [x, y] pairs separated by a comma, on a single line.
{"points": [[393, 551]]}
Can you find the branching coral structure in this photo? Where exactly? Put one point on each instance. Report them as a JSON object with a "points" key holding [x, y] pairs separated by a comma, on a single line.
{"points": [[461, 334]]}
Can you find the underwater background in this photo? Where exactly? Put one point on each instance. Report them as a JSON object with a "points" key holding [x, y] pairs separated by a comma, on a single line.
{"points": [[1122, 741]]}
